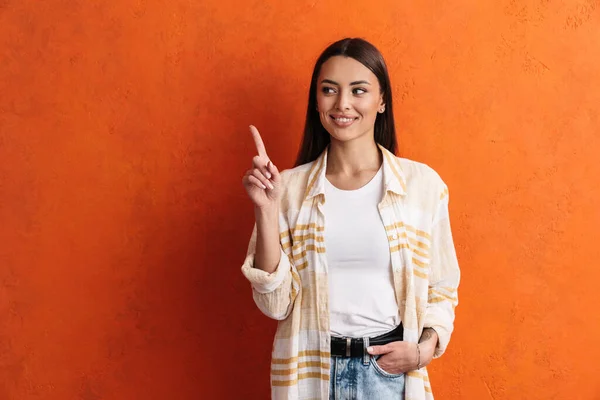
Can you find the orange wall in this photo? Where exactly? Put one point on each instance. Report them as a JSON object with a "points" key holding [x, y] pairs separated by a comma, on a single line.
{"points": [[123, 222]]}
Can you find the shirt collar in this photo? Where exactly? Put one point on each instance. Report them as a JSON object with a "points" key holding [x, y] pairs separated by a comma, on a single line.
{"points": [[393, 175]]}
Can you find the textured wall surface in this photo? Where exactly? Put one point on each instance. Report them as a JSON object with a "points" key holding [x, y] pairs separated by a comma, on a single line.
{"points": [[123, 222]]}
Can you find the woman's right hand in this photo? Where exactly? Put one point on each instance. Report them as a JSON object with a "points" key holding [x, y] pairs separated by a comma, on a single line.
{"points": [[263, 181]]}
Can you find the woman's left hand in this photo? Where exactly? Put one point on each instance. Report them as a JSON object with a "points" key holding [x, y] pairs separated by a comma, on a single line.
{"points": [[402, 357]]}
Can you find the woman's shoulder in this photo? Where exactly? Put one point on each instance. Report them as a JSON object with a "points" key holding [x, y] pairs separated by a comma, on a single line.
{"points": [[297, 175], [298, 171], [419, 174], [294, 182]]}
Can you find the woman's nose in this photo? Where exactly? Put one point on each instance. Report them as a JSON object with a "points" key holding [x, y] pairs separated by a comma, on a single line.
{"points": [[343, 101]]}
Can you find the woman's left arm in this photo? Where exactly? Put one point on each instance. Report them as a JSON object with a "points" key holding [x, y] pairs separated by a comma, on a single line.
{"points": [[426, 348], [444, 277]]}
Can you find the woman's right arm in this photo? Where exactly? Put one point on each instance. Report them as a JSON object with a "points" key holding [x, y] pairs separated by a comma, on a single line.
{"points": [[267, 266], [268, 248]]}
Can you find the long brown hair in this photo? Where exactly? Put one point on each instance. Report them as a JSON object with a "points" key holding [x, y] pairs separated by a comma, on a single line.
{"points": [[316, 138]]}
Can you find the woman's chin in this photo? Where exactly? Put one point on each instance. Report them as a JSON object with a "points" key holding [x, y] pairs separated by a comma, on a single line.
{"points": [[341, 136], [344, 135]]}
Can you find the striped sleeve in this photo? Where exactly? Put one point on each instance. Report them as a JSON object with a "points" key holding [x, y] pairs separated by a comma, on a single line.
{"points": [[444, 278], [274, 293]]}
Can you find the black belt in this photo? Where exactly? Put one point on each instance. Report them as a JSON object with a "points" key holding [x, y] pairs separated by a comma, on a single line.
{"points": [[349, 347]]}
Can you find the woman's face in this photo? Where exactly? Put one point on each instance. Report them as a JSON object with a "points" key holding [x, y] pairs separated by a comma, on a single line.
{"points": [[348, 98]]}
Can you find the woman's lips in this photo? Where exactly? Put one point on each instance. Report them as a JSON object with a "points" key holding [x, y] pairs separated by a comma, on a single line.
{"points": [[343, 121]]}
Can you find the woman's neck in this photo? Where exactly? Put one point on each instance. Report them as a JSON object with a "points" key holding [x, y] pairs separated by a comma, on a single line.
{"points": [[353, 157]]}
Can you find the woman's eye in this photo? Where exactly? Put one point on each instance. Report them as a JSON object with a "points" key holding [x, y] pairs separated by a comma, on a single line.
{"points": [[327, 90], [359, 91]]}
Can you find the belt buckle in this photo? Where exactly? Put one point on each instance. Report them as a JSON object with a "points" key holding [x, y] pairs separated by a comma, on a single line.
{"points": [[348, 347]]}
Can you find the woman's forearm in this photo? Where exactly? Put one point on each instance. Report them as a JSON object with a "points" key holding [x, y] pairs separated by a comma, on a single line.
{"points": [[428, 342], [429, 337], [268, 250]]}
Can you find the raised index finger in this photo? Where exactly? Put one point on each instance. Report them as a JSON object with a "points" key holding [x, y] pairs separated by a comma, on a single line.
{"points": [[260, 146]]}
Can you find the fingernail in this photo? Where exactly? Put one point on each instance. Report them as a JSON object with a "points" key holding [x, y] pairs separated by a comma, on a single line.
{"points": [[268, 174], [370, 349], [263, 186], [271, 186]]}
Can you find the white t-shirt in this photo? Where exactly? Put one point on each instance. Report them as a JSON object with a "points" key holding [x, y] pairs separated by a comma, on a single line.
{"points": [[362, 301]]}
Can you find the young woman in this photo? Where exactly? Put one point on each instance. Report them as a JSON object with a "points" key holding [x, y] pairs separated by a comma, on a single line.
{"points": [[352, 249]]}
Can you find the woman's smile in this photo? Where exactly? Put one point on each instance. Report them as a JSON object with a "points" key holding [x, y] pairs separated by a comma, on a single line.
{"points": [[343, 121]]}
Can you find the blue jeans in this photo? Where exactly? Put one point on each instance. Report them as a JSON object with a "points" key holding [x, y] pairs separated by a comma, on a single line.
{"points": [[353, 378]]}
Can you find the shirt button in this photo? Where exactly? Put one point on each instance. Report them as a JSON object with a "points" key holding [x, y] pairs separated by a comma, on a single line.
{"points": [[394, 236]]}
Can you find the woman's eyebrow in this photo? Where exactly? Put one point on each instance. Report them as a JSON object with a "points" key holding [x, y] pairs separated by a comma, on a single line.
{"points": [[351, 84]]}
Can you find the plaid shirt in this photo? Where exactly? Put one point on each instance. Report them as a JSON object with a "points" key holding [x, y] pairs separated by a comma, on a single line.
{"points": [[414, 211]]}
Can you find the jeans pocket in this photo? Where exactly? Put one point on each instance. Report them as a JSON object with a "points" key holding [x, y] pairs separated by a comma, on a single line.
{"points": [[383, 373]]}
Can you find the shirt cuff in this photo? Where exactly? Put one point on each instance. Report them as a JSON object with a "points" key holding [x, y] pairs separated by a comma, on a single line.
{"points": [[442, 322], [262, 281]]}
